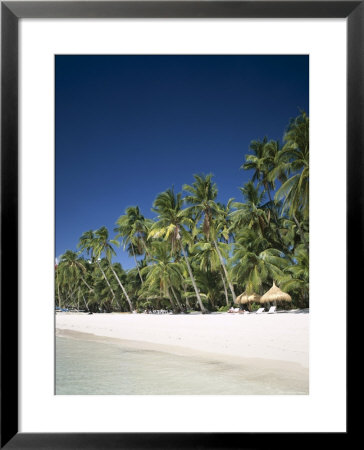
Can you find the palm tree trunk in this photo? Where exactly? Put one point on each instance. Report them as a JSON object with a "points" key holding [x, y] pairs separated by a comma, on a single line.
{"points": [[203, 309], [136, 263], [59, 295], [107, 281], [170, 299], [122, 287], [70, 293], [86, 304], [145, 247], [225, 290], [225, 271], [276, 219], [175, 296], [188, 306], [85, 282], [69, 296]]}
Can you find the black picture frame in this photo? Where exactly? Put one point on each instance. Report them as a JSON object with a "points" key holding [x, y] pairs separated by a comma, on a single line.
{"points": [[11, 12]]}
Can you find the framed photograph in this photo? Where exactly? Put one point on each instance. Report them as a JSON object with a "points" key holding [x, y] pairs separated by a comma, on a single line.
{"points": [[175, 264]]}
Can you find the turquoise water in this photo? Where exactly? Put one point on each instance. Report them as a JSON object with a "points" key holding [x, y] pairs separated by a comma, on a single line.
{"points": [[88, 367]]}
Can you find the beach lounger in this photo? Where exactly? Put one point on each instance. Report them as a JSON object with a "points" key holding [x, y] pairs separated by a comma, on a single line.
{"points": [[259, 311], [272, 310]]}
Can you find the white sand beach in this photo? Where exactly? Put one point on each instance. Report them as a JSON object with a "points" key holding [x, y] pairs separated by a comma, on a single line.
{"points": [[270, 337]]}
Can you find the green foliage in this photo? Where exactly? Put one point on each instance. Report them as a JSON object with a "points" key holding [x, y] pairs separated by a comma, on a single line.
{"points": [[254, 307], [224, 308], [197, 251]]}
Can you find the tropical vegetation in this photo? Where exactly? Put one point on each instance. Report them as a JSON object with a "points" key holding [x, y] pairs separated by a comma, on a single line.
{"points": [[197, 253]]}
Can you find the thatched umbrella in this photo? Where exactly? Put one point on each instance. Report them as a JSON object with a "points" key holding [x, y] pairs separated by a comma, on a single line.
{"points": [[242, 299], [275, 295], [254, 298]]}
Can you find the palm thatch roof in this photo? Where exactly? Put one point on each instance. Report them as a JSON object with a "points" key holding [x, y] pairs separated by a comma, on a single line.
{"points": [[242, 299], [254, 298], [275, 295]]}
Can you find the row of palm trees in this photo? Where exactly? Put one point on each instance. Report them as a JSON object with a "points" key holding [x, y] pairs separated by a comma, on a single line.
{"points": [[198, 253]]}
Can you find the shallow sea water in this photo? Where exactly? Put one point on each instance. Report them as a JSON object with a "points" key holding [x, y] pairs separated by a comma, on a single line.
{"points": [[90, 367]]}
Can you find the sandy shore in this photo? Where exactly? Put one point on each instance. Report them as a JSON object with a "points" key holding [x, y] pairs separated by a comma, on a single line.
{"points": [[275, 337]]}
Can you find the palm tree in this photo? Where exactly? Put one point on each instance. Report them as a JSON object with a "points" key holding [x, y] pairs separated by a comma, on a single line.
{"points": [[102, 244], [169, 226], [208, 259], [250, 213], [276, 169], [87, 243], [295, 156], [75, 265], [256, 262], [297, 280], [266, 164], [268, 168], [57, 270], [132, 228], [256, 161], [68, 283], [71, 274], [106, 287], [209, 284], [223, 222], [202, 195], [208, 246], [163, 273], [83, 294]]}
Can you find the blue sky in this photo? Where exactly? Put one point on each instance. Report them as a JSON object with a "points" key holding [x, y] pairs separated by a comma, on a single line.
{"points": [[129, 127]]}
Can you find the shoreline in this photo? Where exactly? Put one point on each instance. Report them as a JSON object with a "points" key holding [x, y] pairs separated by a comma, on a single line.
{"points": [[252, 363], [277, 339], [227, 375]]}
